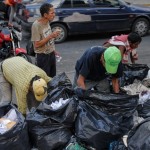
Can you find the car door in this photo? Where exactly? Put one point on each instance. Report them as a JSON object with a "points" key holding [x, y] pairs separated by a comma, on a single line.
{"points": [[110, 15], [77, 15]]}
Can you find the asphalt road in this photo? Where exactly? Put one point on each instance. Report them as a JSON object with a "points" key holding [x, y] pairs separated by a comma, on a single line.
{"points": [[74, 47]]}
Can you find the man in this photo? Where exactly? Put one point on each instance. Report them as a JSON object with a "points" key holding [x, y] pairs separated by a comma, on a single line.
{"points": [[24, 77], [127, 45], [95, 65], [43, 40], [13, 8]]}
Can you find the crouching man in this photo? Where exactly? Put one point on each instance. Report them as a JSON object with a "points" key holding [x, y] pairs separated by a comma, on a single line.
{"points": [[95, 66], [26, 78]]}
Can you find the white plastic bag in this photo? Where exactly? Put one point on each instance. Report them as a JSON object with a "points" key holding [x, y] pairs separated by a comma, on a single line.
{"points": [[8, 121]]}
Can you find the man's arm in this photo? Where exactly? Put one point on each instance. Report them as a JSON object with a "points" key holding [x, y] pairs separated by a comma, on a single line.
{"points": [[115, 84], [80, 82], [133, 56], [107, 44], [21, 96], [132, 59], [45, 40], [122, 50]]}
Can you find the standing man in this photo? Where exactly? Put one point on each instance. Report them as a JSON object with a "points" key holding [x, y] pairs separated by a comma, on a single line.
{"points": [[43, 40], [95, 65], [13, 8]]}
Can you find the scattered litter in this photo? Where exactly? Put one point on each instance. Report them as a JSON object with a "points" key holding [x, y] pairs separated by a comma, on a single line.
{"points": [[124, 138], [135, 88], [57, 104]]}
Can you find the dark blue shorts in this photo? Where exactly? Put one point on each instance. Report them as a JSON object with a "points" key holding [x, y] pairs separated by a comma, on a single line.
{"points": [[47, 62]]}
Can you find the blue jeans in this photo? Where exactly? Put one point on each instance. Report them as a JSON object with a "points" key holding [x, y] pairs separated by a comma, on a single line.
{"points": [[5, 90]]}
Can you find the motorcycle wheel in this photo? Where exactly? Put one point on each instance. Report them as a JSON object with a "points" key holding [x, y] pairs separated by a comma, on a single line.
{"points": [[26, 57]]}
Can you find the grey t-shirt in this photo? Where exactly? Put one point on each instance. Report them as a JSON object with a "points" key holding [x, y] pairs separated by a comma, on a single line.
{"points": [[39, 32]]}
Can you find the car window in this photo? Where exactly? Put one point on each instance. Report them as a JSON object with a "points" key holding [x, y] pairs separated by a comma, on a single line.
{"points": [[80, 3], [106, 3], [56, 3], [66, 4], [75, 3]]}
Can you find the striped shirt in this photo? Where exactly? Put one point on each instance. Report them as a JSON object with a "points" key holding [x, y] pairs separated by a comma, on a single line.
{"points": [[19, 73], [123, 40]]}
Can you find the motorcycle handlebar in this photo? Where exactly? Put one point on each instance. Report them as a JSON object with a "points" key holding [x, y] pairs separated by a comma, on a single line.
{"points": [[17, 28], [5, 24]]}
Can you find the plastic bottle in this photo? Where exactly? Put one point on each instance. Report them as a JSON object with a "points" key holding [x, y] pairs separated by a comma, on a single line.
{"points": [[58, 58]]}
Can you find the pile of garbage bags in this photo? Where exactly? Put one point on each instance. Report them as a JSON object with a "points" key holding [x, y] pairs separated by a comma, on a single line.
{"points": [[76, 119], [136, 81]]}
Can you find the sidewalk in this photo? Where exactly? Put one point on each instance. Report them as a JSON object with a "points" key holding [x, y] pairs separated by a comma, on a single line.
{"points": [[141, 2]]}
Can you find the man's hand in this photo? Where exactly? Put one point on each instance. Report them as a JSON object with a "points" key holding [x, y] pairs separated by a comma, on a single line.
{"points": [[56, 33], [42, 42], [80, 82], [115, 84], [57, 53]]}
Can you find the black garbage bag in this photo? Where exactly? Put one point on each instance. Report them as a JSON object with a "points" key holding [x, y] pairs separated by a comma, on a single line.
{"points": [[132, 72], [17, 137], [144, 110], [35, 119], [110, 103], [103, 118], [61, 81], [66, 114], [139, 136], [58, 93], [45, 134], [50, 137]]}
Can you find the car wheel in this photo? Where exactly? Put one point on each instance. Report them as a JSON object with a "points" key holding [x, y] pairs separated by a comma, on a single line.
{"points": [[141, 26], [63, 33]]}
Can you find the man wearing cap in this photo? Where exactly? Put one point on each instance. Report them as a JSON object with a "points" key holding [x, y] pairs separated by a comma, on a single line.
{"points": [[25, 78], [95, 66]]}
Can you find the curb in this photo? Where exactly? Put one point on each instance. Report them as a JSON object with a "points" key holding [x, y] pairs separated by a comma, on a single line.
{"points": [[146, 4], [143, 4]]}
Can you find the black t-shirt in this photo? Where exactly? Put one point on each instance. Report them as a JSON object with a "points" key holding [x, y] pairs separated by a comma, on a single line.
{"points": [[90, 66]]}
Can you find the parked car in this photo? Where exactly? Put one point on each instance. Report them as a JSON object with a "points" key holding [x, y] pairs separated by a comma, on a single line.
{"points": [[90, 16]]}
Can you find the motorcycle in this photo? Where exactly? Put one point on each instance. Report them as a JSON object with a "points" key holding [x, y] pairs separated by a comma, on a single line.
{"points": [[10, 38]]}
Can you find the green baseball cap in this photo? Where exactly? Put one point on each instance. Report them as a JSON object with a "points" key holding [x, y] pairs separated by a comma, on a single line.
{"points": [[112, 57]]}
